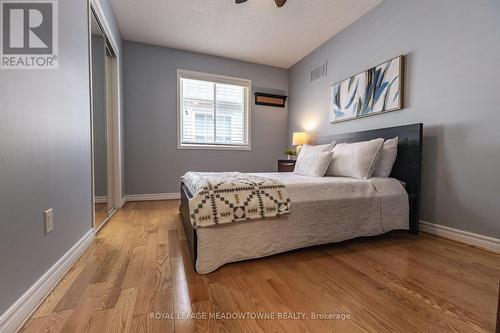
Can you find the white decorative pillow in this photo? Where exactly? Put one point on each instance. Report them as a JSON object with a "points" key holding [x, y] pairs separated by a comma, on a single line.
{"points": [[310, 163], [389, 154], [357, 160], [318, 148]]}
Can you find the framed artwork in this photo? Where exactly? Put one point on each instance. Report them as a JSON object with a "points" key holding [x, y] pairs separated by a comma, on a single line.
{"points": [[377, 90]]}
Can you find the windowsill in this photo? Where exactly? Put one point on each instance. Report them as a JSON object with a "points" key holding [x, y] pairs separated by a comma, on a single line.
{"points": [[213, 147]]}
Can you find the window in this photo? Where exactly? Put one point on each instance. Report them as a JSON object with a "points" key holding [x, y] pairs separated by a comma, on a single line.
{"points": [[214, 111]]}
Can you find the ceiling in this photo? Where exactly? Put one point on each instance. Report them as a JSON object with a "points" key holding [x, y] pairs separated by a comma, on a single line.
{"points": [[255, 31]]}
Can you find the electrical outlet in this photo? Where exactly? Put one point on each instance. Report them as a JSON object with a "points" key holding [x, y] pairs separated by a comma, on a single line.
{"points": [[48, 219]]}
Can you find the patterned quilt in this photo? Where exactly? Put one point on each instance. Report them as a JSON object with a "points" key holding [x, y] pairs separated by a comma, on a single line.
{"points": [[226, 197]]}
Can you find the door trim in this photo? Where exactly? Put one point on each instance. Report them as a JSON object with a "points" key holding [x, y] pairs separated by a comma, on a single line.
{"points": [[114, 103]]}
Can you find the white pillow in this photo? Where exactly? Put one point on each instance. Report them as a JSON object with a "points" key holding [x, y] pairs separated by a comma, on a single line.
{"points": [[357, 160], [310, 163], [318, 148], [389, 154]]}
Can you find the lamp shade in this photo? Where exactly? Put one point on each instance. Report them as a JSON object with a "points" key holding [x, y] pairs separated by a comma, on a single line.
{"points": [[299, 138]]}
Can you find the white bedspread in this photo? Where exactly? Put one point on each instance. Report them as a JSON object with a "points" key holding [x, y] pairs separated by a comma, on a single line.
{"points": [[324, 210]]}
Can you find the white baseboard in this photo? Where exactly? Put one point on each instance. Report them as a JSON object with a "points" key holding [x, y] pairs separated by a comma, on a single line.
{"points": [[152, 197], [101, 199], [123, 201], [20, 311], [484, 242]]}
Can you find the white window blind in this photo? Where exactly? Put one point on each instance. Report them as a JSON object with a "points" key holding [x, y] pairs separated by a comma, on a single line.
{"points": [[213, 111]]}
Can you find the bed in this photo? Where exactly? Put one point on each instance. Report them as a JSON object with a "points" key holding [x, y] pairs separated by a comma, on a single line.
{"points": [[324, 209]]}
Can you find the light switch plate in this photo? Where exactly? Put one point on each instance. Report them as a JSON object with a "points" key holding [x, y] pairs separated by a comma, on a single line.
{"points": [[48, 219]]}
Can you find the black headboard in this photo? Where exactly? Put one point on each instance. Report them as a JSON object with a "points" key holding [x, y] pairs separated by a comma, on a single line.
{"points": [[408, 165]]}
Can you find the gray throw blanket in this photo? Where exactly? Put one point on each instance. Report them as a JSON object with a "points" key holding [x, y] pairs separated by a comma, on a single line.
{"points": [[226, 197]]}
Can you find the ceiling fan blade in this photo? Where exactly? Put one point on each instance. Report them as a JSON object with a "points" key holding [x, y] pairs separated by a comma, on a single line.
{"points": [[280, 3], [241, 1]]}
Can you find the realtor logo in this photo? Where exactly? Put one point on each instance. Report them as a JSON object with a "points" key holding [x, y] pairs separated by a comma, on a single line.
{"points": [[29, 38]]}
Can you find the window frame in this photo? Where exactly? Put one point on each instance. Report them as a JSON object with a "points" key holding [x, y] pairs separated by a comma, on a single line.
{"points": [[221, 79]]}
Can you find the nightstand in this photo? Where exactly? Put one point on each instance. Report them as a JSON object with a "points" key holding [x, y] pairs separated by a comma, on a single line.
{"points": [[286, 165]]}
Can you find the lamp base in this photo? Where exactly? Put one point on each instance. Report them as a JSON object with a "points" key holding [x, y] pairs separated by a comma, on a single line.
{"points": [[298, 149]]}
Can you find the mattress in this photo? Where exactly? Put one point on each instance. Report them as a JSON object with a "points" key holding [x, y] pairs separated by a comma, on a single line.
{"points": [[323, 210]]}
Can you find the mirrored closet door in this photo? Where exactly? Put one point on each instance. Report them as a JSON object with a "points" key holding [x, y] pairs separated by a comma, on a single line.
{"points": [[101, 53]]}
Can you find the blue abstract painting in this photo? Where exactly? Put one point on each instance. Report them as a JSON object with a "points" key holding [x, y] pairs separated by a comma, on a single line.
{"points": [[376, 90]]}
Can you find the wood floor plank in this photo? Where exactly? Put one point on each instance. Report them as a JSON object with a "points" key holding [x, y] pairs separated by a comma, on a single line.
{"points": [[208, 325], [52, 323], [105, 264], [174, 244], [79, 321], [198, 290], [315, 295], [117, 275], [137, 276], [448, 268], [180, 293], [121, 317], [134, 268], [57, 321], [139, 324], [263, 299], [73, 295], [99, 321], [257, 304], [51, 301], [386, 303], [443, 284], [148, 280], [413, 291], [163, 297], [225, 299]]}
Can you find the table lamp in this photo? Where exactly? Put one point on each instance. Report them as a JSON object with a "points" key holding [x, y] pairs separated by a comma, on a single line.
{"points": [[299, 139]]}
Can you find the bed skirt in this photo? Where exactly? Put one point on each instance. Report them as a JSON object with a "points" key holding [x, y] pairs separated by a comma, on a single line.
{"points": [[213, 247]]}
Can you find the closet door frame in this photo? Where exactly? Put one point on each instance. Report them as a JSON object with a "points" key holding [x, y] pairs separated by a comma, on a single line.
{"points": [[110, 131], [113, 102]]}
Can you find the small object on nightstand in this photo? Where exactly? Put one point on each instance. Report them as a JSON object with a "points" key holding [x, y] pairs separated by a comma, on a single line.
{"points": [[299, 139], [291, 153], [286, 165]]}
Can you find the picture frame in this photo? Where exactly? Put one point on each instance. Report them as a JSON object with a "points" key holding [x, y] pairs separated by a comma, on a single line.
{"points": [[377, 90]]}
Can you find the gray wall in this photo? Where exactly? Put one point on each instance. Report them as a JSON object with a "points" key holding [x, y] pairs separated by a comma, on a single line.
{"points": [[152, 160], [99, 116], [44, 158], [452, 80]]}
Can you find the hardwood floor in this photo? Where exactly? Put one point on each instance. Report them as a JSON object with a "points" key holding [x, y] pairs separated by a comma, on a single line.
{"points": [[101, 214], [138, 274]]}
